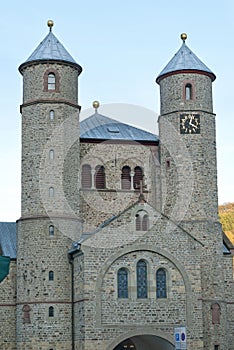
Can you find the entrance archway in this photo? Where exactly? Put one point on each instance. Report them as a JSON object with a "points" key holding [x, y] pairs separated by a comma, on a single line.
{"points": [[145, 342]]}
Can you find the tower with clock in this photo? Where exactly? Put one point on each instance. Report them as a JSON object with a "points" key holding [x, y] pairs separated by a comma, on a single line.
{"points": [[188, 164], [187, 136], [119, 244]]}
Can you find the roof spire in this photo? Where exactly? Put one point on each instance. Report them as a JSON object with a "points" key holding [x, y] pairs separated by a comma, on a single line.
{"points": [[96, 105], [50, 24], [183, 37], [185, 60]]}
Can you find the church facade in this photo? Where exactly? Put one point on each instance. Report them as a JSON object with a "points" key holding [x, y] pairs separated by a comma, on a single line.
{"points": [[119, 244]]}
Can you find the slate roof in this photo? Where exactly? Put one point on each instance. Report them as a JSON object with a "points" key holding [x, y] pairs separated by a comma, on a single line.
{"points": [[185, 59], [8, 239], [51, 49], [100, 127]]}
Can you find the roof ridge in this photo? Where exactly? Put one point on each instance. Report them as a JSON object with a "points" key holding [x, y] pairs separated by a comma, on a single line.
{"points": [[96, 126]]}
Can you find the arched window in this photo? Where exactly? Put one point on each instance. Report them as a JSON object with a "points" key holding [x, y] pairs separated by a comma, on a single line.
{"points": [[51, 275], [122, 282], [142, 279], [51, 154], [126, 178], [145, 222], [138, 176], [51, 311], [51, 192], [215, 313], [51, 230], [51, 114], [51, 81], [188, 92], [86, 176], [138, 222], [100, 177], [142, 221], [161, 283]]}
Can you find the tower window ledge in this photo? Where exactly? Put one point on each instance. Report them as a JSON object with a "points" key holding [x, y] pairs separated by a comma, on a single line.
{"points": [[112, 190]]}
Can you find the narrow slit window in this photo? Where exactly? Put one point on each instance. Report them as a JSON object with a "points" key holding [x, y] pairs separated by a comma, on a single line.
{"points": [[51, 154], [51, 81], [122, 282], [51, 275], [188, 92], [51, 192], [142, 279], [51, 230], [51, 311], [51, 114]]}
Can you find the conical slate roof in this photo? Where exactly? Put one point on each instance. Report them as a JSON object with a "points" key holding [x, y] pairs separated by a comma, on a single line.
{"points": [[50, 49], [185, 60], [100, 127]]}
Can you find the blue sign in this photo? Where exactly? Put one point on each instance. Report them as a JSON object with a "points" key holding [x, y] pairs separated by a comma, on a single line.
{"points": [[180, 338]]}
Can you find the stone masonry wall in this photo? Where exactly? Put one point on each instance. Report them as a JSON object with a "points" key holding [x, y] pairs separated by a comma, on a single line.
{"points": [[7, 310], [50, 163], [106, 316], [100, 205]]}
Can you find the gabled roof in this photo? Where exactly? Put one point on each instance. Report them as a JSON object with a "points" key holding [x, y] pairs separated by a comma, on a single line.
{"points": [[50, 49], [100, 127], [8, 239], [185, 60], [227, 245]]}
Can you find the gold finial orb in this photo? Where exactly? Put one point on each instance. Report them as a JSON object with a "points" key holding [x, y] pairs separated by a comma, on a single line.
{"points": [[50, 23], [183, 36], [96, 104]]}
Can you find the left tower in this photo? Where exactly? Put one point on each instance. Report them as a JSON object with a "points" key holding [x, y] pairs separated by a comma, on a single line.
{"points": [[50, 202]]}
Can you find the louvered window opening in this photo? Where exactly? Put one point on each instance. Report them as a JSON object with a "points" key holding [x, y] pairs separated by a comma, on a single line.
{"points": [[86, 177], [145, 223], [142, 221], [100, 178], [138, 222], [126, 178], [138, 176]]}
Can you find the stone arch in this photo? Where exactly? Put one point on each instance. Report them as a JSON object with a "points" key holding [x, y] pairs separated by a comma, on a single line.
{"points": [[143, 247], [141, 331], [152, 214]]}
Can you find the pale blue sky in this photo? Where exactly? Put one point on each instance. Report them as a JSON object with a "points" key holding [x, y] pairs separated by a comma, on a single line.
{"points": [[122, 46]]}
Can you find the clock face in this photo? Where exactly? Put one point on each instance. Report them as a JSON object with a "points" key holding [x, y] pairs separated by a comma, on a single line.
{"points": [[189, 123]]}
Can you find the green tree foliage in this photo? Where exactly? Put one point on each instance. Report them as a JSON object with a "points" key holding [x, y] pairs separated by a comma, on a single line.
{"points": [[226, 215]]}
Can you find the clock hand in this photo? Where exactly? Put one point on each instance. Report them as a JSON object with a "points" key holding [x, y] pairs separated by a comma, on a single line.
{"points": [[193, 125]]}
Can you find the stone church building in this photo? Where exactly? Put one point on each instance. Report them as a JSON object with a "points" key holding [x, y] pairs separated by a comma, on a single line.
{"points": [[119, 244]]}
